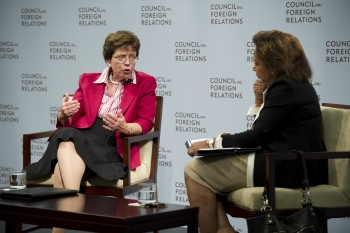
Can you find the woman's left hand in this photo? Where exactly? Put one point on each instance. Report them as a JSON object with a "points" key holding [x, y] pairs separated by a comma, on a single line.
{"points": [[259, 87], [115, 123], [196, 146]]}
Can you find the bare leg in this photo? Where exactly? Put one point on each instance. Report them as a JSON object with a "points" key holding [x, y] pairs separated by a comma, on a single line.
{"points": [[206, 200], [70, 164], [69, 170], [58, 182], [58, 230], [212, 216], [224, 226]]}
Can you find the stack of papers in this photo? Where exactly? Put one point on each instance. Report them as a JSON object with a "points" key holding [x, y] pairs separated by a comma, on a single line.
{"points": [[219, 151]]}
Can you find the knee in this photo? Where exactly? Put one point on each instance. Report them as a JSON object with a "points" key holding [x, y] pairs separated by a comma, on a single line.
{"points": [[186, 176], [188, 180], [190, 168], [66, 150], [68, 144]]}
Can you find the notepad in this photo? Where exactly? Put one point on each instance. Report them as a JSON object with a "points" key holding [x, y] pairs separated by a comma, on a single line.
{"points": [[36, 193], [219, 151]]}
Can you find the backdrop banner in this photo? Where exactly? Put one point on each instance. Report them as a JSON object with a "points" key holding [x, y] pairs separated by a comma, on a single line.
{"points": [[199, 51]]}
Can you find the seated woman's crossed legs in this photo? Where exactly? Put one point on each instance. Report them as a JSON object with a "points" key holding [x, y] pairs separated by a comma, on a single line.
{"points": [[69, 170]]}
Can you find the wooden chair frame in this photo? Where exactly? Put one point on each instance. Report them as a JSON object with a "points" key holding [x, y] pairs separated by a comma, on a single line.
{"points": [[271, 158], [128, 187]]}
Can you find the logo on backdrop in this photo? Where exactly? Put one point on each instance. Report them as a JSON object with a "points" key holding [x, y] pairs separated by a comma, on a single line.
{"points": [[189, 122], [8, 113], [53, 114], [33, 17], [155, 15], [163, 86], [7, 50], [225, 14], [338, 51], [91, 16], [313, 83], [250, 120], [163, 161], [250, 51], [4, 175], [62, 50], [33, 82], [180, 192], [189, 51], [225, 88], [38, 147], [302, 12]]}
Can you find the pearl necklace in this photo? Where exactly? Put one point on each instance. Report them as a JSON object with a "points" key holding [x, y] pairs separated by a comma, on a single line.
{"points": [[112, 81]]}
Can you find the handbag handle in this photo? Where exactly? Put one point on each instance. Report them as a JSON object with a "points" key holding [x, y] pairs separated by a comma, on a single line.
{"points": [[305, 183], [305, 201]]}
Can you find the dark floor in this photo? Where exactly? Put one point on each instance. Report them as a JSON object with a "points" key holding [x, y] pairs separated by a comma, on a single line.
{"points": [[172, 230]]}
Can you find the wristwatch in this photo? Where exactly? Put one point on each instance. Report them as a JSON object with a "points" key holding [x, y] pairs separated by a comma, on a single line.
{"points": [[210, 143]]}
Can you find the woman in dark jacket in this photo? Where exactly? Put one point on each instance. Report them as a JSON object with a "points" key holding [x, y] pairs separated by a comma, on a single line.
{"points": [[289, 118]]}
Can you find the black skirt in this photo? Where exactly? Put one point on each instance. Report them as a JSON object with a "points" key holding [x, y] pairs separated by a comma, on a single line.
{"points": [[95, 145]]}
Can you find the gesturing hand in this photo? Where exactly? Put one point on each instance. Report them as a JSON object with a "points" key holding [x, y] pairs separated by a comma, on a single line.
{"points": [[68, 108], [115, 123]]}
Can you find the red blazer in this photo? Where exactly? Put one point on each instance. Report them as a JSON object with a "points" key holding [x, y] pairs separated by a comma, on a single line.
{"points": [[138, 106]]}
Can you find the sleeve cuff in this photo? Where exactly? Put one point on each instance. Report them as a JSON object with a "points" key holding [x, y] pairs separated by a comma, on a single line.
{"points": [[253, 110], [218, 140]]}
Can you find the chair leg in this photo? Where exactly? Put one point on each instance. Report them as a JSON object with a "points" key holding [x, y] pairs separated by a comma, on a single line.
{"points": [[13, 227]]}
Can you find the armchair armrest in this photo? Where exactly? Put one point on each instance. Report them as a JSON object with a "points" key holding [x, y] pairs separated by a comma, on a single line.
{"points": [[138, 138], [27, 142]]}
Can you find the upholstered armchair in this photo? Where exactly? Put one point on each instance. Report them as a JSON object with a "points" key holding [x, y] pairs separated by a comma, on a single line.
{"points": [[335, 195], [95, 185]]}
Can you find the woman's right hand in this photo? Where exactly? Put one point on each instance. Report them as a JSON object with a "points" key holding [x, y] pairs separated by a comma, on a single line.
{"points": [[195, 147], [259, 87], [68, 108]]}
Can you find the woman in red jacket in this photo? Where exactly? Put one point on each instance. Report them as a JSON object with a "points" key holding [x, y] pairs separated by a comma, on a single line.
{"points": [[107, 106]]}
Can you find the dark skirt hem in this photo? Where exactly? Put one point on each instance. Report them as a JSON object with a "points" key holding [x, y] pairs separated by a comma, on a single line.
{"points": [[95, 145]]}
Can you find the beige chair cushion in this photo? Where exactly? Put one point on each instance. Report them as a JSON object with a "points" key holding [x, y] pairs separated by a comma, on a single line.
{"points": [[321, 195], [336, 134], [142, 172]]}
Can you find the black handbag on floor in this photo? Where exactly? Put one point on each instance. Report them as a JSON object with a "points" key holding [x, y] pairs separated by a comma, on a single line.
{"points": [[308, 219]]}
